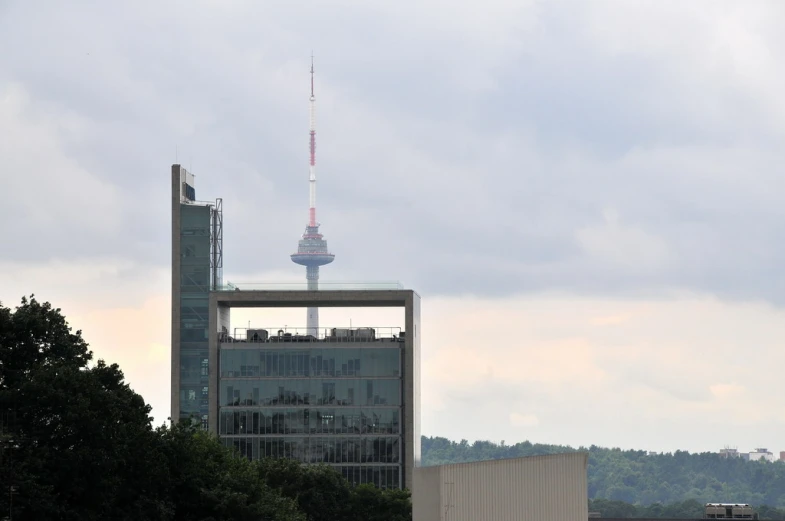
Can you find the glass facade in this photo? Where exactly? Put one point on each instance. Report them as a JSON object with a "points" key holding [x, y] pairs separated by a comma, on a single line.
{"points": [[301, 420], [336, 405], [324, 449], [310, 391], [195, 275], [289, 362]]}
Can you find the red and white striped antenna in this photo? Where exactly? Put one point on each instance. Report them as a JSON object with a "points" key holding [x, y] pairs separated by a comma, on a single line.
{"points": [[312, 166], [312, 249]]}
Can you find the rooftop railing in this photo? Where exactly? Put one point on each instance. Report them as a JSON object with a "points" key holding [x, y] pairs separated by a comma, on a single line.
{"points": [[302, 334], [302, 286]]}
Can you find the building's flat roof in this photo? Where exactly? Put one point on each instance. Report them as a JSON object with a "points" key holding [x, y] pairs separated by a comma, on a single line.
{"points": [[303, 286], [321, 298]]}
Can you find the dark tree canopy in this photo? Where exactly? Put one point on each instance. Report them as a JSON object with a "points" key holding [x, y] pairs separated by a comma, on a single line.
{"points": [[208, 482], [320, 492], [35, 336], [74, 434], [79, 442], [323, 495]]}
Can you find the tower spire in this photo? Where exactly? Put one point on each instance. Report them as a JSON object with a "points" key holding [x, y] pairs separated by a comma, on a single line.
{"points": [[312, 165], [312, 249]]}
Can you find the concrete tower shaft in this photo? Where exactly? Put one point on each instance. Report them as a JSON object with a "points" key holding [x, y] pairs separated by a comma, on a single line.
{"points": [[312, 253]]}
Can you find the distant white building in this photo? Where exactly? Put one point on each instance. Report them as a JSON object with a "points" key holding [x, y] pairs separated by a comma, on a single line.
{"points": [[756, 455], [761, 454]]}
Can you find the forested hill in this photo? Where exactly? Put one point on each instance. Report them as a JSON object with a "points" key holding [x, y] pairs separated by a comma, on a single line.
{"points": [[633, 476]]}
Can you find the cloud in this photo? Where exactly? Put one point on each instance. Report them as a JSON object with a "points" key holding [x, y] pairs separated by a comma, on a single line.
{"points": [[493, 142], [523, 420], [632, 383], [726, 391], [556, 177], [610, 320], [43, 187], [620, 246]]}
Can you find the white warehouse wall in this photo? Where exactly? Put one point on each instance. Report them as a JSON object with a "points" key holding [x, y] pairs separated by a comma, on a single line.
{"points": [[536, 488]]}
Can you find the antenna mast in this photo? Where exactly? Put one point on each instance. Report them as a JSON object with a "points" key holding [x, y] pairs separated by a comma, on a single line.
{"points": [[312, 165], [312, 249]]}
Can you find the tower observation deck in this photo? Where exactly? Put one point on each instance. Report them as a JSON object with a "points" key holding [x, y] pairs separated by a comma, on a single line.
{"points": [[312, 249]]}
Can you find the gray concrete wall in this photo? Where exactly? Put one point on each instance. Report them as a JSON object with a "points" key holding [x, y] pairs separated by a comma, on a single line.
{"points": [[213, 372], [322, 298], [175, 382], [426, 494], [411, 388]]}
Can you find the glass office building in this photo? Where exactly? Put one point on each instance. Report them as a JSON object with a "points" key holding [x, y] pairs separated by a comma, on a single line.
{"points": [[196, 270], [336, 400]]}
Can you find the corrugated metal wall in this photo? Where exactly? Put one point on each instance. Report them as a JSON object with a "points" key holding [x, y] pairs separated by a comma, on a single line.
{"points": [[538, 488]]}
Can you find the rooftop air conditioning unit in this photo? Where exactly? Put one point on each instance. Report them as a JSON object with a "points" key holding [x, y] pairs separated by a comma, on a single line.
{"points": [[257, 335], [341, 332], [364, 333]]}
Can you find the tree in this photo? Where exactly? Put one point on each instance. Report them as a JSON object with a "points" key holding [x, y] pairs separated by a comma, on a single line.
{"points": [[77, 432], [612, 508], [209, 482], [35, 336], [321, 493], [369, 503]]}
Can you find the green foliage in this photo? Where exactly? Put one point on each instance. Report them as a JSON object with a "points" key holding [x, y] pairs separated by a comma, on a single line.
{"points": [[767, 512], [35, 336], [208, 482], [323, 495], [79, 444], [637, 477], [369, 503], [689, 509], [69, 428]]}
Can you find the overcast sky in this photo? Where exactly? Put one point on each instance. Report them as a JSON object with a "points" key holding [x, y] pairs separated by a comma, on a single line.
{"points": [[587, 195]]}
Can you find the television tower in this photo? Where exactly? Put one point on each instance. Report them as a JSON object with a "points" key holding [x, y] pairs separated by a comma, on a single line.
{"points": [[312, 249]]}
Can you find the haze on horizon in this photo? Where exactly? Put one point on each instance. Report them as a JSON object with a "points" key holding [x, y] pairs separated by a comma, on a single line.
{"points": [[587, 195]]}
